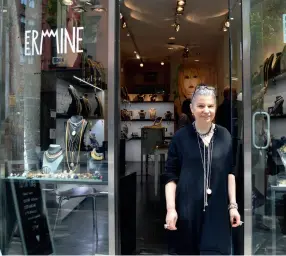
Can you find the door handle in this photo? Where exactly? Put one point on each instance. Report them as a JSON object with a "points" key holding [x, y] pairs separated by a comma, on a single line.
{"points": [[268, 139]]}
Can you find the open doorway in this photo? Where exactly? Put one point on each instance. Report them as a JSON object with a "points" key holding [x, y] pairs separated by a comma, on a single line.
{"points": [[168, 47]]}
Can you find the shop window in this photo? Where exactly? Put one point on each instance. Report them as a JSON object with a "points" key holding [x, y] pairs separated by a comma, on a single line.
{"points": [[54, 141]]}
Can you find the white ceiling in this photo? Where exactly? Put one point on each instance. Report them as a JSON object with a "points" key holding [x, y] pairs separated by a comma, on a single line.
{"points": [[150, 22]]}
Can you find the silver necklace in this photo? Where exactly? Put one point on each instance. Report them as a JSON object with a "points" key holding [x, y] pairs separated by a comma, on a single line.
{"points": [[207, 169]]}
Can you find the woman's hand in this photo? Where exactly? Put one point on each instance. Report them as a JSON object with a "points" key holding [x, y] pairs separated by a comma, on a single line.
{"points": [[234, 218], [171, 219]]}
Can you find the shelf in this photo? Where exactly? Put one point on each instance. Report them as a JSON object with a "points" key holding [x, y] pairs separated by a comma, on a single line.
{"points": [[279, 77], [278, 117], [148, 102], [139, 138], [66, 116], [146, 120]]}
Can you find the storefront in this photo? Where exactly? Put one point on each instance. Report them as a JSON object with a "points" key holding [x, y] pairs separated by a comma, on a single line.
{"points": [[79, 122], [59, 136]]}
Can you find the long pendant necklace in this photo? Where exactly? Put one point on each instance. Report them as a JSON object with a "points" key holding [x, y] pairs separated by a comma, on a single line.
{"points": [[73, 143], [206, 163]]}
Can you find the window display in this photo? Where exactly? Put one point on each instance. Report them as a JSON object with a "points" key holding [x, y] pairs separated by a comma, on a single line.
{"points": [[53, 130]]}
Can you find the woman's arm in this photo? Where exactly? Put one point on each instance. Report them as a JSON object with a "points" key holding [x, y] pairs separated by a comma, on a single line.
{"points": [[170, 191], [170, 177], [231, 189]]}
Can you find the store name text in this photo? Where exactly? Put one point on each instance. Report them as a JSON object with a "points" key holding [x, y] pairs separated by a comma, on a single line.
{"points": [[63, 39]]}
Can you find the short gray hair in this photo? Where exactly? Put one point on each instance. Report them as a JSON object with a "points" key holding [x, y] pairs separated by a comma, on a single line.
{"points": [[204, 90]]}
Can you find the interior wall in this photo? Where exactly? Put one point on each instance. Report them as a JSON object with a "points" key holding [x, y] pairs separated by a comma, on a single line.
{"points": [[133, 76]]}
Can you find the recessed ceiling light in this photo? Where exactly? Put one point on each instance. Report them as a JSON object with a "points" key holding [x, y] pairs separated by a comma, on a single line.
{"points": [[231, 18], [162, 63], [170, 48], [197, 60], [172, 38], [128, 34], [141, 65]]}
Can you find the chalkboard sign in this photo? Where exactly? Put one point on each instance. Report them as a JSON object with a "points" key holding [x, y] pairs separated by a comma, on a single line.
{"points": [[32, 217]]}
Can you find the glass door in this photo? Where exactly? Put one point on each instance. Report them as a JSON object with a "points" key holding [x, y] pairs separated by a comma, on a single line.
{"points": [[264, 91]]}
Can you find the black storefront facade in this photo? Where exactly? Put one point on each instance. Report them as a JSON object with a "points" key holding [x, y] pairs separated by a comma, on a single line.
{"points": [[60, 136]]}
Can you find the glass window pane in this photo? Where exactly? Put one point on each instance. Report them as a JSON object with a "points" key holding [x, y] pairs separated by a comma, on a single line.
{"points": [[53, 130], [267, 23]]}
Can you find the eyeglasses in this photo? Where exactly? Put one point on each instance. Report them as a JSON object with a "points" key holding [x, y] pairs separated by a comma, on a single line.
{"points": [[203, 87]]}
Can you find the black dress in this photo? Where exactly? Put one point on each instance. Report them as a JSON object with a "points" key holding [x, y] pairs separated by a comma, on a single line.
{"points": [[200, 232]]}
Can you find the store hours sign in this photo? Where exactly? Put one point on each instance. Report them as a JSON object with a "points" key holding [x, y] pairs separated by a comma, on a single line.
{"points": [[34, 40]]}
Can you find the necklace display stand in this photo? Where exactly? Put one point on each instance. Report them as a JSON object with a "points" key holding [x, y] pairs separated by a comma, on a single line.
{"points": [[74, 140], [52, 159]]}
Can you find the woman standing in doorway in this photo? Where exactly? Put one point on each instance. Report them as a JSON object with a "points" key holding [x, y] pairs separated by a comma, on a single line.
{"points": [[200, 183]]}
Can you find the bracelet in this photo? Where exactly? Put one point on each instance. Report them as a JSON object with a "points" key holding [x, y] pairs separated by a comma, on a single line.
{"points": [[232, 206]]}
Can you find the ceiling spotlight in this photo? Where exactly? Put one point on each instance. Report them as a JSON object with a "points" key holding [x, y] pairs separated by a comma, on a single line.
{"points": [[162, 63], [137, 56], [135, 52], [170, 48], [141, 65], [224, 29], [172, 38], [181, 2], [227, 24], [177, 28], [124, 25], [128, 34], [67, 2], [121, 16], [231, 18], [180, 9], [197, 60]]}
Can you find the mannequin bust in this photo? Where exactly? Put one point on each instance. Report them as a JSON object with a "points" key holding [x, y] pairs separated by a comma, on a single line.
{"points": [[52, 159]]}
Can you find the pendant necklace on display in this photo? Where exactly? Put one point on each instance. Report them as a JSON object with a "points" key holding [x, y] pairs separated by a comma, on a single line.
{"points": [[74, 135], [206, 162]]}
